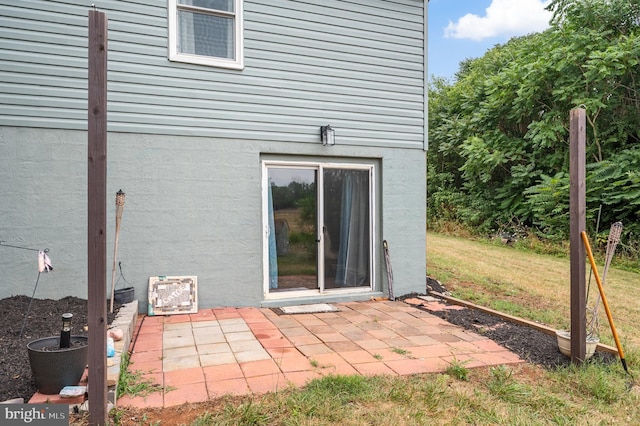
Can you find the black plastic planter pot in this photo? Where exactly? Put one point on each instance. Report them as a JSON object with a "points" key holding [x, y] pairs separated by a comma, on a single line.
{"points": [[124, 295], [53, 368]]}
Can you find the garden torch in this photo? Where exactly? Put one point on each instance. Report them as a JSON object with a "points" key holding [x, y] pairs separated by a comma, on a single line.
{"points": [[119, 208], [65, 333]]}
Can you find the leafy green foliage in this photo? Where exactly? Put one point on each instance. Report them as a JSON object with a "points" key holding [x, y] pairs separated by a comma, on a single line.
{"points": [[499, 134], [288, 197]]}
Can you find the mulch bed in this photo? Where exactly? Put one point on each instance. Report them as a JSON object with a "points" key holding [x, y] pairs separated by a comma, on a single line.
{"points": [[44, 320], [529, 343]]}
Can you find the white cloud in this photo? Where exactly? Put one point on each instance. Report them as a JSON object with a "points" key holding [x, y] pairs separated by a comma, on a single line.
{"points": [[506, 18]]}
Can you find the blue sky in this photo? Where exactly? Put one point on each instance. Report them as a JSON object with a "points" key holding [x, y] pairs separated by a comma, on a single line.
{"points": [[460, 29]]}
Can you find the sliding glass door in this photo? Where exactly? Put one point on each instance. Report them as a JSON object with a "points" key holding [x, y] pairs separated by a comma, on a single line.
{"points": [[318, 227], [346, 228], [292, 206]]}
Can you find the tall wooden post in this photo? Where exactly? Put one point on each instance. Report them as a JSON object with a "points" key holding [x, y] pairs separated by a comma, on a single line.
{"points": [[577, 213], [97, 221]]}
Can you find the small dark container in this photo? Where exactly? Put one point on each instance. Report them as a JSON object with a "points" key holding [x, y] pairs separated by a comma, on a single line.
{"points": [[123, 295], [54, 368]]}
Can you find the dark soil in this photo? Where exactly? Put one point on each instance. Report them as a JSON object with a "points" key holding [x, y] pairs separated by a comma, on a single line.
{"points": [[43, 320], [55, 348], [529, 343]]}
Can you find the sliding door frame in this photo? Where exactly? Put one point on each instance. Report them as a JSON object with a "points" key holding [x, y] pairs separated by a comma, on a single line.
{"points": [[319, 166]]}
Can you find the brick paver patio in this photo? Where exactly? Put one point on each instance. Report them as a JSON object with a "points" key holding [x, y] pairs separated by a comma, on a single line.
{"points": [[250, 350]]}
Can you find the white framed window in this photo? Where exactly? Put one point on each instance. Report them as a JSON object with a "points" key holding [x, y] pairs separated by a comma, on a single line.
{"points": [[206, 32]]}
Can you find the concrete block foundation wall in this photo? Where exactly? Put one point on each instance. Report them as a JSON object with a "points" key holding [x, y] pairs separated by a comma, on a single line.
{"points": [[193, 207]]}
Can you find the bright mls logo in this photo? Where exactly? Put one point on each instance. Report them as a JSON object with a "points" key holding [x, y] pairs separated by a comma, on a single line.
{"points": [[35, 414]]}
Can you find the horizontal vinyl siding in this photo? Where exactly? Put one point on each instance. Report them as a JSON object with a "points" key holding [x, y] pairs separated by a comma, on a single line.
{"points": [[357, 65]]}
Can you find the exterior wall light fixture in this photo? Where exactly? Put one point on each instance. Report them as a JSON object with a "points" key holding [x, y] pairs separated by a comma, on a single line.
{"points": [[327, 136]]}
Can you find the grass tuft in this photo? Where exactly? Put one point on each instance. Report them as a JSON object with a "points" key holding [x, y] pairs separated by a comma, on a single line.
{"points": [[505, 387], [458, 370], [134, 383]]}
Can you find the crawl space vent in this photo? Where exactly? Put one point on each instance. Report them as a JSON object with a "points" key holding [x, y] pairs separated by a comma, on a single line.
{"points": [[173, 295]]}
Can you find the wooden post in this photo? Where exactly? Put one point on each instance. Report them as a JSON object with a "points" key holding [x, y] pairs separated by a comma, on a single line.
{"points": [[577, 213], [97, 220]]}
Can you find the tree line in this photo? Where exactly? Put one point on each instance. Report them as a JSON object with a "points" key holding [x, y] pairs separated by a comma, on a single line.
{"points": [[499, 133]]}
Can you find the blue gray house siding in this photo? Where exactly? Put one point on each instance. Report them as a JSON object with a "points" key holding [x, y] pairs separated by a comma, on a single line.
{"points": [[186, 141]]}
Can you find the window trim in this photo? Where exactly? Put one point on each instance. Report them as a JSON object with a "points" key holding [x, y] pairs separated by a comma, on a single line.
{"points": [[174, 55]]}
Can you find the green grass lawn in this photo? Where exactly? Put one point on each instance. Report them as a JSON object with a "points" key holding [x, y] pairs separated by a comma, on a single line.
{"points": [[524, 395], [530, 285]]}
